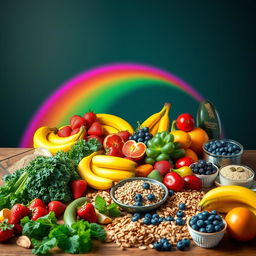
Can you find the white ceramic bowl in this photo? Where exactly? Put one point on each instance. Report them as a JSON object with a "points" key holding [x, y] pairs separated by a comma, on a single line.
{"points": [[244, 183], [208, 180], [206, 240]]}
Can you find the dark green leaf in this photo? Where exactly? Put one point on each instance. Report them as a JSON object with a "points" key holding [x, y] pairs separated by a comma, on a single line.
{"points": [[44, 246], [113, 210], [98, 232], [100, 204]]}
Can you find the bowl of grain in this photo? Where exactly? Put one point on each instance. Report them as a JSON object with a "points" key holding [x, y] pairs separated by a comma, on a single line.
{"points": [[152, 194], [236, 175]]}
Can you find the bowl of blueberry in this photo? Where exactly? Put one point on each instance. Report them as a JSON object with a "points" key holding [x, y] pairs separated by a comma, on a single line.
{"points": [[222, 152], [207, 228], [206, 171]]}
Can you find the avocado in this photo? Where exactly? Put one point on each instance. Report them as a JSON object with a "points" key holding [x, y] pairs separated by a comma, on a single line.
{"points": [[155, 175]]}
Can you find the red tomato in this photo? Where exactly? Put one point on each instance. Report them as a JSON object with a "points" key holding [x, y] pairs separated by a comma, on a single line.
{"points": [[77, 121], [163, 166], [114, 151], [185, 122], [173, 181], [192, 182], [95, 137], [90, 118], [124, 134], [95, 129], [65, 131], [184, 161], [75, 131]]}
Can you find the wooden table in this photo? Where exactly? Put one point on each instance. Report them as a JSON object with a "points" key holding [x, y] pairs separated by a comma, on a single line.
{"points": [[226, 247]]}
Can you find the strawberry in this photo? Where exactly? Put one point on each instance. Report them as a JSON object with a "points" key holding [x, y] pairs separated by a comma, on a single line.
{"points": [[87, 212], [65, 131], [90, 118], [57, 207], [6, 230], [38, 212], [36, 202], [113, 151], [78, 188], [77, 121], [18, 211], [17, 229], [95, 129]]}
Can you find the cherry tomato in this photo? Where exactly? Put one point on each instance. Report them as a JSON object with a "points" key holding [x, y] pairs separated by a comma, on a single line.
{"points": [[173, 181], [77, 121], [192, 182], [90, 118], [65, 131], [184, 161], [185, 122]]}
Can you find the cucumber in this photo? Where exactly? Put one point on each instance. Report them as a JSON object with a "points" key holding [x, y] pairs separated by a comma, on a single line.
{"points": [[208, 119]]}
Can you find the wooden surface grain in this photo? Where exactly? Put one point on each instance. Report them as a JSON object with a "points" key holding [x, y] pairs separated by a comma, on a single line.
{"points": [[226, 247]]}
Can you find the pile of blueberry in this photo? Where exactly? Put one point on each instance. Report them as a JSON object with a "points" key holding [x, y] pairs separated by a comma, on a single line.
{"points": [[164, 245], [182, 244], [222, 148], [151, 219], [180, 221], [203, 168], [142, 135], [207, 222]]}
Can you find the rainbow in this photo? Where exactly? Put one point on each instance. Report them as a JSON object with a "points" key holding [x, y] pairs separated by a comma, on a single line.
{"points": [[90, 88]]}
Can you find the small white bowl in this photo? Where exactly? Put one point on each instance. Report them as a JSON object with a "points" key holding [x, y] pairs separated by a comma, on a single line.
{"points": [[208, 180], [206, 240]]}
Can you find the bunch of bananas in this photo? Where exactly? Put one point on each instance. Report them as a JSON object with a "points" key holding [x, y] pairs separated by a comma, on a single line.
{"points": [[158, 122], [100, 171], [225, 198], [113, 124], [48, 138]]}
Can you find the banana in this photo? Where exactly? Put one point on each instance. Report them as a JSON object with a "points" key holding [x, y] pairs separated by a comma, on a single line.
{"points": [[40, 139], [113, 174], [56, 139], [114, 162], [109, 130], [165, 121], [153, 119], [154, 129], [94, 181], [115, 121], [224, 194]]}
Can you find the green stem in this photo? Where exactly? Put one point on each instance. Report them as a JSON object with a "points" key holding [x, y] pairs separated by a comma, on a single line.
{"points": [[173, 126], [21, 182]]}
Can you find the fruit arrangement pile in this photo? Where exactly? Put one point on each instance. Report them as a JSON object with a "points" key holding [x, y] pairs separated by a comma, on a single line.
{"points": [[98, 150]]}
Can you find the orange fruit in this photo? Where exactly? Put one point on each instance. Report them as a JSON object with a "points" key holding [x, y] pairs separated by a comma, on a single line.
{"points": [[192, 154], [113, 140], [144, 170], [182, 137], [5, 214], [198, 138], [134, 149], [241, 223]]}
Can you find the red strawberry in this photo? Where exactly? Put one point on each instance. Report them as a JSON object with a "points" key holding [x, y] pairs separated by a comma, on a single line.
{"points": [[95, 129], [75, 131], [38, 212], [113, 151], [124, 135], [17, 229], [18, 211], [36, 202], [95, 137], [87, 212], [57, 207], [6, 230], [65, 131], [90, 118], [78, 188], [77, 121]]}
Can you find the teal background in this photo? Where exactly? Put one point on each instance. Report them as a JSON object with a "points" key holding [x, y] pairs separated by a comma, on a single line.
{"points": [[209, 44]]}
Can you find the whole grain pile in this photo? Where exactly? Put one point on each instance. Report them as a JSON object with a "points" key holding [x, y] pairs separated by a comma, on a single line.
{"points": [[126, 233], [126, 193]]}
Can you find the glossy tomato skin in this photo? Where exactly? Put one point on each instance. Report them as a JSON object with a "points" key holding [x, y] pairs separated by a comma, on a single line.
{"points": [[173, 181], [192, 182], [163, 166], [184, 161], [90, 118], [65, 131], [185, 122], [241, 223]]}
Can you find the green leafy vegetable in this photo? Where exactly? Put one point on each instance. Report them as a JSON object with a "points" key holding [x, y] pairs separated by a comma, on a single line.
{"points": [[44, 246], [98, 232], [111, 210]]}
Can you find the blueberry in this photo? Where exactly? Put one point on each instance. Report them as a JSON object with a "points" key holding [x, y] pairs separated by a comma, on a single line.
{"points": [[217, 217], [200, 223], [195, 227], [180, 222], [215, 222], [145, 129], [138, 197], [137, 214], [171, 192], [147, 221], [154, 221], [201, 216], [186, 242], [201, 171], [141, 135], [140, 140], [182, 206], [203, 230], [217, 228], [207, 222], [169, 218], [167, 246], [192, 166], [214, 212], [162, 240], [138, 203], [147, 134], [192, 222], [146, 185], [194, 218], [147, 138], [148, 215], [181, 245], [205, 213], [134, 219], [180, 214], [211, 218], [151, 197], [157, 246], [209, 228], [135, 137], [161, 219], [208, 173]]}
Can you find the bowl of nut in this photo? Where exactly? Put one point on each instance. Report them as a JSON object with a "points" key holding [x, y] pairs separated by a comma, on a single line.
{"points": [[139, 194]]}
